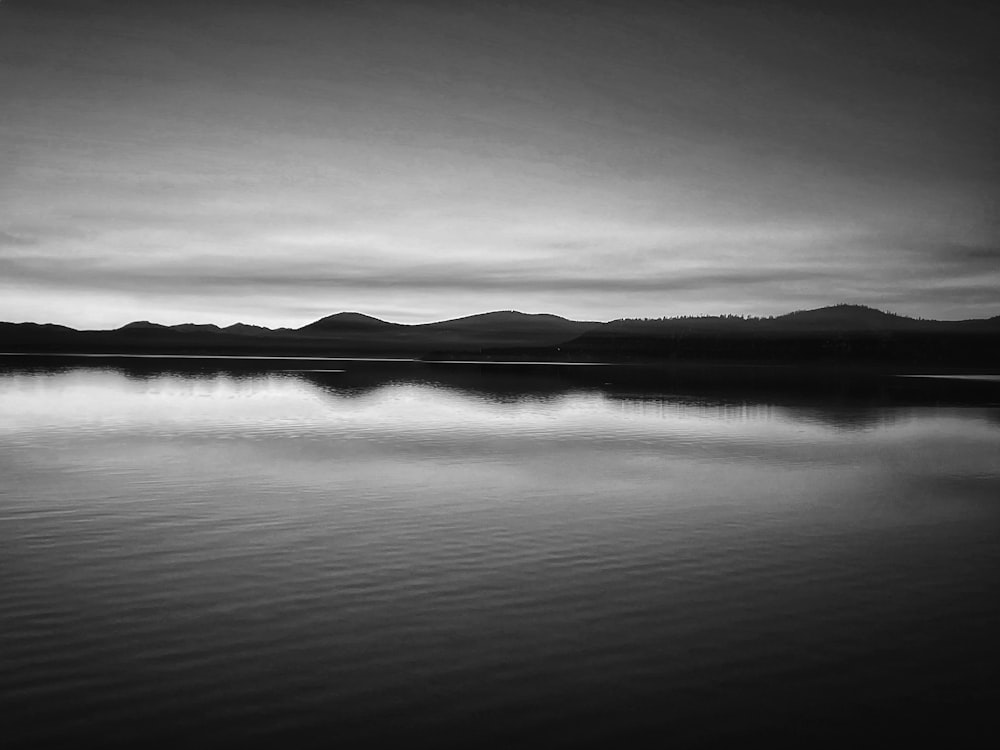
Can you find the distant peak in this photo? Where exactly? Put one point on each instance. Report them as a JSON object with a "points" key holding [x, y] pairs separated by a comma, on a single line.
{"points": [[843, 310], [350, 315], [347, 320], [498, 315], [140, 324], [845, 317], [196, 327], [245, 327]]}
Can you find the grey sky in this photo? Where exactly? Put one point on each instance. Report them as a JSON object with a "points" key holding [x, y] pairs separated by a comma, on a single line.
{"points": [[274, 162]]}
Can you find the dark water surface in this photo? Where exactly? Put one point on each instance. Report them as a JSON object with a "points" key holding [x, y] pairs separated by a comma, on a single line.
{"points": [[349, 552]]}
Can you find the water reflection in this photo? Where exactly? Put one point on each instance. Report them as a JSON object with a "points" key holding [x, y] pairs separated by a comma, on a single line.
{"points": [[534, 425], [488, 555], [844, 399]]}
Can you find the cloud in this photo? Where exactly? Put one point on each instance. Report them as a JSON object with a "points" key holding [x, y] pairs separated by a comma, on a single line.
{"points": [[717, 279], [619, 159], [13, 240], [971, 257]]}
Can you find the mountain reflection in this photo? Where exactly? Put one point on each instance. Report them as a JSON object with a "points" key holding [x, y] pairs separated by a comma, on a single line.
{"points": [[838, 417], [495, 387], [836, 399]]}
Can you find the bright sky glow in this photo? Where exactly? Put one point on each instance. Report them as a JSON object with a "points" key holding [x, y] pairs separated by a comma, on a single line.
{"points": [[277, 162]]}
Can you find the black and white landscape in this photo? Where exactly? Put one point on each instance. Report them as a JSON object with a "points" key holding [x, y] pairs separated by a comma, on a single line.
{"points": [[498, 373], [832, 336]]}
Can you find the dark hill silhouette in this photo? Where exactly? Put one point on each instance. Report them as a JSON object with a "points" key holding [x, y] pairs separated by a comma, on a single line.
{"points": [[508, 320], [347, 321], [358, 332], [36, 328], [844, 318], [33, 337], [838, 334], [198, 327], [841, 333], [833, 318], [250, 330], [142, 325], [501, 328]]}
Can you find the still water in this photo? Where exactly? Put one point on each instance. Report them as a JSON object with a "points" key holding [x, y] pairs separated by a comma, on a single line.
{"points": [[347, 552]]}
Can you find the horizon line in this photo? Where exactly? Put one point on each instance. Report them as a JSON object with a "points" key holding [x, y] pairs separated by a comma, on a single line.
{"points": [[245, 322]]}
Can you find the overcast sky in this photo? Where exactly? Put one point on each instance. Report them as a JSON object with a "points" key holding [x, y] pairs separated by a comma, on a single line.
{"points": [[274, 162]]}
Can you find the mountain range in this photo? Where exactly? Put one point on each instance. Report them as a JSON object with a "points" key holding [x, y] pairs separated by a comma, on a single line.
{"points": [[836, 333]]}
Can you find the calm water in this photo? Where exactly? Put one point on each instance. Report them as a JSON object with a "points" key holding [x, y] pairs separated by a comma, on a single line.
{"points": [[474, 555]]}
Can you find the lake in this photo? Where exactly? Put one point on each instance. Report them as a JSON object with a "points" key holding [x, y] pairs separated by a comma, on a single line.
{"points": [[318, 552]]}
